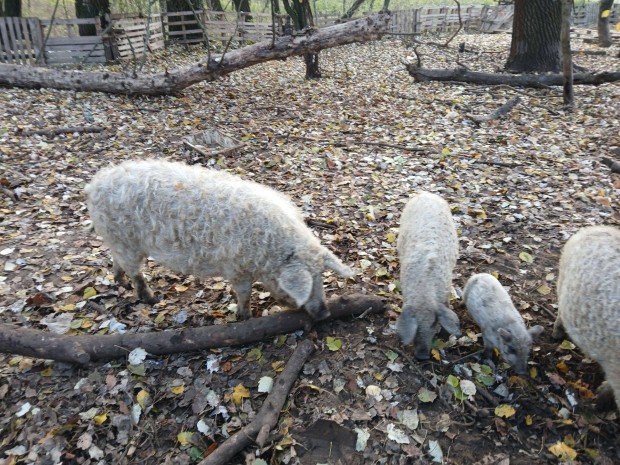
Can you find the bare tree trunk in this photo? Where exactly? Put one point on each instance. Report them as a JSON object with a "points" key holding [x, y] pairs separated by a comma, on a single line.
{"points": [[362, 30], [535, 42], [567, 56], [353, 9], [604, 36]]}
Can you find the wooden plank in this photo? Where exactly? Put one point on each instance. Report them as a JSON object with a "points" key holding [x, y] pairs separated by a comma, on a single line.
{"points": [[64, 22], [27, 44], [18, 40], [6, 42], [76, 47], [37, 40], [75, 40]]}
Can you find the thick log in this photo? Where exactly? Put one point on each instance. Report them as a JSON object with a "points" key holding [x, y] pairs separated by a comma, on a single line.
{"points": [[312, 41], [493, 79], [268, 414], [95, 348]]}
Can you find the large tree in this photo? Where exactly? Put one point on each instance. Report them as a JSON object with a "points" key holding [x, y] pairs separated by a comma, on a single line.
{"points": [[301, 14], [536, 36], [10, 8], [91, 9], [604, 37]]}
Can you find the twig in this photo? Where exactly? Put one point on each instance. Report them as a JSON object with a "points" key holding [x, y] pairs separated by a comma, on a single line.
{"points": [[486, 394], [268, 414], [56, 131], [197, 149], [499, 163], [458, 9]]}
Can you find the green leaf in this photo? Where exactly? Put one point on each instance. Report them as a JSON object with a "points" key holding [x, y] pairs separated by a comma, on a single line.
{"points": [[483, 378], [567, 345], [254, 355], [195, 454], [333, 343], [391, 355], [89, 292], [526, 257], [138, 370], [424, 395], [452, 381]]}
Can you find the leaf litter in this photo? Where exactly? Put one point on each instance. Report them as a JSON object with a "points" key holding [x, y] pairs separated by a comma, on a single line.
{"points": [[349, 149]]}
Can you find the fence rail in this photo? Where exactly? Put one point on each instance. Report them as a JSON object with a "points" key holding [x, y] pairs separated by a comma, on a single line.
{"points": [[26, 40]]}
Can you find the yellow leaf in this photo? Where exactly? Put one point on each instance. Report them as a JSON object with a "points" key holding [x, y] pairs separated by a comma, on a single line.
{"points": [[533, 372], [47, 371], [504, 410], [177, 389], [278, 366], [544, 289], [68, 308], [562, 451], [605, 13], [89, 292], [445, 151], [184, 438], [390, 237], [618, 27], [435, 354], [239, 393], [181, 288], [529, 420], [100, 419], [142, 396], [526, 257]]}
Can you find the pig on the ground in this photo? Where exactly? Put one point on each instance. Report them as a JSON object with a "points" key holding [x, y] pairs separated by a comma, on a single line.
{"points": [[427, 249], [501, 324], [589, 301], [208, 223]]}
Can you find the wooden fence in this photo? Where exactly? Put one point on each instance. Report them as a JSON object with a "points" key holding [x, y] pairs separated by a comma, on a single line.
{"points": [[31, 41]]}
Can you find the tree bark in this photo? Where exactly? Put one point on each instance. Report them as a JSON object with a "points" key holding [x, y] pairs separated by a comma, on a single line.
{"points": [[352, 9], [361, 30], [535, 42], [493, 79], [95, 348], [11, 8], [604, 36], [269, 412], [567, 56]]}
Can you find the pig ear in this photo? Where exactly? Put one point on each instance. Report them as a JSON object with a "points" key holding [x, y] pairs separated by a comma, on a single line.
{"points": [[407, 326], [333, 263], [449, 321], [296, 281], [535, 331], [505, 334]]}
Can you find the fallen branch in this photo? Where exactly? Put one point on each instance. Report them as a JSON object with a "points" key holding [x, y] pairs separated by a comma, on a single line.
{"points": [[494, 79], [505, 164], [93, 348], [56, 131], [267, 417], [501, 112], [613, 165], [212, 68]]}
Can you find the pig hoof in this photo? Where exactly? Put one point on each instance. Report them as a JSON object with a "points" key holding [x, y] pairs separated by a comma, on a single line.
{"points": [[151, 299]]}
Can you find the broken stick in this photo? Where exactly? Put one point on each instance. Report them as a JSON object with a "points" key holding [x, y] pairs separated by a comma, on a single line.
{"points": [[56, 131], [499, 113], [267, 417], [94, 348]]}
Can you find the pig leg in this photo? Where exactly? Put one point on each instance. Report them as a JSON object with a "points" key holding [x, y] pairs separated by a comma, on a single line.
{"points": [[243, 290], [119, 274], [130, 265], [558, 329]]}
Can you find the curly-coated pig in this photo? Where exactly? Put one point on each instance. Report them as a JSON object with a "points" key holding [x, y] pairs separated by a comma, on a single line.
{"points": [[501, 324], [209, 223], [589, 301], [427, 250]]}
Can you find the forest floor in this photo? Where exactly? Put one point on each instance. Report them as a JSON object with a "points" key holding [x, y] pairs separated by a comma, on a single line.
{"points": [[349, 149]]}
